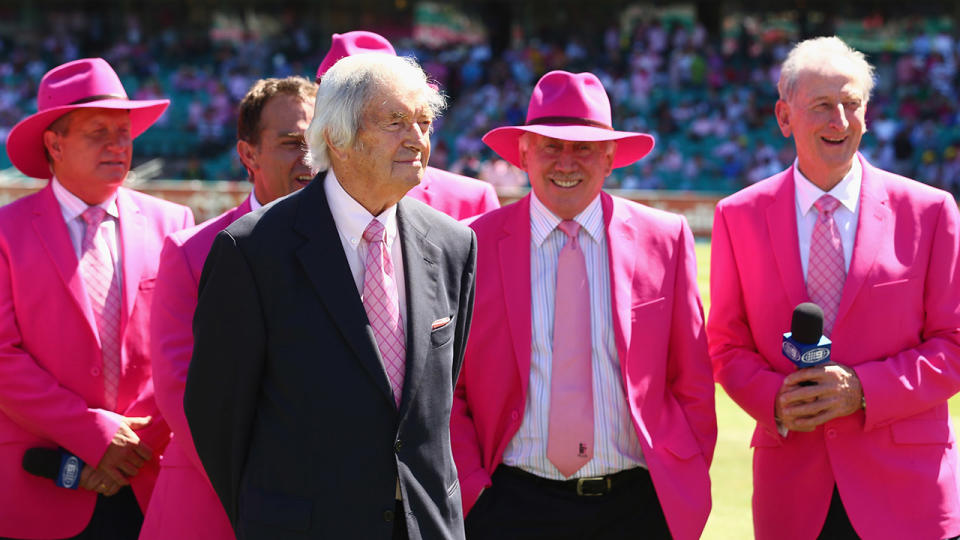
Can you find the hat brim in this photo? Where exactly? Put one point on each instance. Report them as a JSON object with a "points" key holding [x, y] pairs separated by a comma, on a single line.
{"points": [[631, 147], [25, 140]]}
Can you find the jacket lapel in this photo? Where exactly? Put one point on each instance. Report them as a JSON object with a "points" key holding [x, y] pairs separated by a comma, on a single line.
{"points": [[514, 260], [420, 258], [782, 230], [132, 234], [325, 263], [872, 231], [53, 236], [622, 255]]}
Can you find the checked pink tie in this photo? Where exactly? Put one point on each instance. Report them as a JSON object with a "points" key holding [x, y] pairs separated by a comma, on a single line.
{"points": [[383, 306], [570, 438], [103, 289], [825, 267]]}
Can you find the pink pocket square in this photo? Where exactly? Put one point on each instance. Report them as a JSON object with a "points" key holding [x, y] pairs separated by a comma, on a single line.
{"points": [[440, 323]]}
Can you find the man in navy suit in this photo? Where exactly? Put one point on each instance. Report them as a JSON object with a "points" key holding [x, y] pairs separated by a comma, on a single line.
{"points": [[330, 331]]}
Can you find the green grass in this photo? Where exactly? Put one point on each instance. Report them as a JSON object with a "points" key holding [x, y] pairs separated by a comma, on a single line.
{"points": [[731, 473]]}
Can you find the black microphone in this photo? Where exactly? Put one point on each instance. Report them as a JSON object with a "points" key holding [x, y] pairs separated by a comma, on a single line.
{"points": [[805, 345], [58, 465]]}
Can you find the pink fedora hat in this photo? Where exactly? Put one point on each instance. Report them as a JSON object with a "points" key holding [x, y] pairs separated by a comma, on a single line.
{"points": [[80, 84], [350, 43], [572, 107]]}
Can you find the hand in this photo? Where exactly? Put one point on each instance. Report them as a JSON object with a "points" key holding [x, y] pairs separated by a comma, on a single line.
{"points": [[124, 457], [813, 396], [92, 479]]}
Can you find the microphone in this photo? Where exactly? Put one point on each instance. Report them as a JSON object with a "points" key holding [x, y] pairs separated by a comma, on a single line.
{"points": [[805, 345], [58, 465]]}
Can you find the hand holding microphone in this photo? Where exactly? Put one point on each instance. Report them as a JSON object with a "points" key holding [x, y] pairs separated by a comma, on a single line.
{"points": [[821, 392]]}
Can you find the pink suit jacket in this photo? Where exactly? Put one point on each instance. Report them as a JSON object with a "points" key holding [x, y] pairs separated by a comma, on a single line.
{"points": [[658, 323], [457, 196], [895, 464], [51, 391], [184, 504]]}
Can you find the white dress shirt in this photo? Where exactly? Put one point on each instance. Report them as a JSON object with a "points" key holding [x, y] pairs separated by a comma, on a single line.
{"points": [[616, 446], [351, 219], [72, 208], [255, 204], [847, 192]]}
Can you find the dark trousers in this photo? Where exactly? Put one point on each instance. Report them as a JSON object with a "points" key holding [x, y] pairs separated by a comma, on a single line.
{"points": [[114, 518], [523, 507], [837, 526]]}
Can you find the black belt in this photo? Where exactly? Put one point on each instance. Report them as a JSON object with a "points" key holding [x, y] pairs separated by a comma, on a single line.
{"points": [[585, 487]]}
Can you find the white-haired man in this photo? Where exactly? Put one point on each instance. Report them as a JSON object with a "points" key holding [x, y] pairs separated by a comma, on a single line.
{"points": [[860, 447], [330, 330]]}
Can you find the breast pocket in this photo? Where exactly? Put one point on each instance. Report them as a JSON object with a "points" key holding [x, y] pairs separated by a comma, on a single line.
{"points": [[441, 331]]}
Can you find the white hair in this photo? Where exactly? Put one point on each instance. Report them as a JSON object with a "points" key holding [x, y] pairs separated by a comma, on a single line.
{"points": [[817, 51], [345, 91]]}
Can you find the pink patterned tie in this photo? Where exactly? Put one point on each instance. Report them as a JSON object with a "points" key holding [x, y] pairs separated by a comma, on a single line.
{"points": [[825, 268], [570, 439], [103, 289], [383, 306]]}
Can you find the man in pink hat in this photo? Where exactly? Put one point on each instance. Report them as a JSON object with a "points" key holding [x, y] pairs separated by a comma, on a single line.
{"points": [[77, 266], [585, 407], [457, 196], [271, 122]]}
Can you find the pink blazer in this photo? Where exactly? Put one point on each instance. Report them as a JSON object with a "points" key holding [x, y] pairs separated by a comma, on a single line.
{"points": [[660, 339], [898, 326], [457, 196], [51, 391], [184, 505]]}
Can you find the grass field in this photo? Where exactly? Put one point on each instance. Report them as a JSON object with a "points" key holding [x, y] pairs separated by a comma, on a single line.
{"points": [[731, 471]]}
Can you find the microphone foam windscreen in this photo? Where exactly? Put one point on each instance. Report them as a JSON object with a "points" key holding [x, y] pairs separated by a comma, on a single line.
{"points": [[44, 462], [807, 324]]}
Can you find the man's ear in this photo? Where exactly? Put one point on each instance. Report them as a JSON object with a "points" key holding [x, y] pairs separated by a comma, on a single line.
{"points": [[248, 156], [782, 110], [51, 142], [340, 153]]}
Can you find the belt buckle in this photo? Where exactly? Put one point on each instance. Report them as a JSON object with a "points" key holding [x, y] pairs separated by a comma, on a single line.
{"points": [[593, 486]]}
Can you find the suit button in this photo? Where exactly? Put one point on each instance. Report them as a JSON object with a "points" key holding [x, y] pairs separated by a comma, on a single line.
{"points": [[95, 371], [388, 515], [831, 433], [397, 446], [514, 415]]}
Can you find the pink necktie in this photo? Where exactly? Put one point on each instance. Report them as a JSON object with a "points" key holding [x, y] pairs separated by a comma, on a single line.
{"points": [[570, 440], [103, 289], [825, 267], [383, 306]]}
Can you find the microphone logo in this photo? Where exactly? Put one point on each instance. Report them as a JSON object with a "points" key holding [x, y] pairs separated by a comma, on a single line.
{"points": [[71, 472], [815, 356]]}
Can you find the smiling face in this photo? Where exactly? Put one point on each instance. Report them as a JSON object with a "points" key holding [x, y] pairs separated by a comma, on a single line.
{"points": [[91, 156], [826, 118], [566, 175], [276, 162], [392, 146]]}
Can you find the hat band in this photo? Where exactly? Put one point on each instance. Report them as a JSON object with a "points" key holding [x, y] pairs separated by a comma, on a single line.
{"points": [[99, 97], [569, 120]]}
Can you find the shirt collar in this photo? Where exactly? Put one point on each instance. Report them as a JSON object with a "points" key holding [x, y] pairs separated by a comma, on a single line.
{"points": [[543, 221], [847, 191], [72, 206], [350, 216], [255, 204]]}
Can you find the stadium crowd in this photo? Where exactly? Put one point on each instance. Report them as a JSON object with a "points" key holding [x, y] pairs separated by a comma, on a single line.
{"points": [[706, 98]]}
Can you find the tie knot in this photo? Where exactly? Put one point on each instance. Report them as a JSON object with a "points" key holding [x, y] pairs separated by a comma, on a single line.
{"points": [[94, 215], [374, 232], [569, 228], [826, 205]]}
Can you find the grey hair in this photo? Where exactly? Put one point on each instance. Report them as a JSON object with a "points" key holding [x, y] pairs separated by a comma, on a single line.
{"points": [[817, 51], [345, 91]]}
